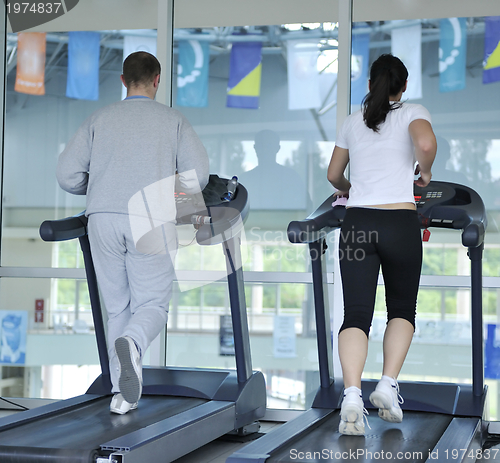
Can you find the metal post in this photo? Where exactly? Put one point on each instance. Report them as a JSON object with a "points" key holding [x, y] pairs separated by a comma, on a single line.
{"points": [[96, 310], [322, 311], [237, 301], [165, 50], [476, 273], [3, 86], [164, 53], [344, 60]]}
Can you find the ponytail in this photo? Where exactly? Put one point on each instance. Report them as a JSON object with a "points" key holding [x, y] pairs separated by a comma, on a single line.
{"points": [[388, 76]]}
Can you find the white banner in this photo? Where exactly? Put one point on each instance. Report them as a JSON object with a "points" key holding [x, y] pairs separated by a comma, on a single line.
{"points": [[133, 43], [303, 76], [406, 44]]}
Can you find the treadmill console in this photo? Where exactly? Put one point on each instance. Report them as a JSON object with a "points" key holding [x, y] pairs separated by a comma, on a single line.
{"points": [[449, 205], [433, 194]]}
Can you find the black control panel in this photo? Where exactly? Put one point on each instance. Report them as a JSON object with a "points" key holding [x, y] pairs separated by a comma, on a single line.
{"points": [[434, 194], [450, 205]]}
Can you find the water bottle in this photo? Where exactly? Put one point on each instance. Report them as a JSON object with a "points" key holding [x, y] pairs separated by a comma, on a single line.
{"points": [[231, 189]]}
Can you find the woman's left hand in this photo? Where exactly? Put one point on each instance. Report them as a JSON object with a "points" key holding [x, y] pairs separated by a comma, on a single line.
{"points": [[341, 194]]}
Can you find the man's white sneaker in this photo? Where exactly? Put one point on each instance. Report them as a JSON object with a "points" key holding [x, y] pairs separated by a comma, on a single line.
{"points": [[352, 414], [130, 382], [387, 399], [120, 406]]}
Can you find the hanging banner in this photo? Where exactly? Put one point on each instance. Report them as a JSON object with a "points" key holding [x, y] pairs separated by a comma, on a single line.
{"points": [[491, 66], [13, 331], [303, 76], [133, 43], [245, 69], [359, 67], [192, 73], [406, 44], [30, 75], [83, 65], [492, 352], [452, 54]]}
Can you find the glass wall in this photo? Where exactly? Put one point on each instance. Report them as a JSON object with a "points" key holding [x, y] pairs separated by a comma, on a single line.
{"points": [[284, 171], [445, 61], [49, 315], [279, 147]]}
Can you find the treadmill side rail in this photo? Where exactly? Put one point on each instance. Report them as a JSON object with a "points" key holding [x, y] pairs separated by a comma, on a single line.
{"points": [[170, 439], [261, 449], [20, 419], [467, 431]]}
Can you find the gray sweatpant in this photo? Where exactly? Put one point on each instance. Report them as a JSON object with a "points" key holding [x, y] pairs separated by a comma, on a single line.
{"points": [[135, 287]]}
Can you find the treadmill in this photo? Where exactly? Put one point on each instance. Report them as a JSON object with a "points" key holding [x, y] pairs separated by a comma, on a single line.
{"points": [[181, 409], [442, 421]]}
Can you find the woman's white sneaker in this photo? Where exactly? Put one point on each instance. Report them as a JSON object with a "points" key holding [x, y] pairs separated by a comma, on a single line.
{"points": [[387, 399], [352, 413]]}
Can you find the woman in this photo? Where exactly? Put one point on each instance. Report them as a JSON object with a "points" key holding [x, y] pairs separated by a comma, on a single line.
{"points": [[381, 229]]}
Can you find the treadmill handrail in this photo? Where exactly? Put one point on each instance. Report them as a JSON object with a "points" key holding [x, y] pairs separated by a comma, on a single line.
{"points": [[326, 218], [64, 229], [229, 218]]}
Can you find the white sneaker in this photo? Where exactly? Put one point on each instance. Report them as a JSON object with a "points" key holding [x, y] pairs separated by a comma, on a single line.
{"points": [[387, 398], [130, 382], [120, 406], [352, 414]]}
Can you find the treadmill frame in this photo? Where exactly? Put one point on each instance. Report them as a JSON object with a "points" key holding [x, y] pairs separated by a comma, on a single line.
{"points": [[235, 398], [464, 402]]}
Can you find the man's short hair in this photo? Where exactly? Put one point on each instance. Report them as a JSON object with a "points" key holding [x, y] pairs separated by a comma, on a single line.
{"points": [[140, 68]]}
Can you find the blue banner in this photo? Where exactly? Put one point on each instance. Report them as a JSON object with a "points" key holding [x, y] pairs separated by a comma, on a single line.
{"points": [[192, 75], [492, 353], [491, 67], [13, 330], [83, 65], [359, 67], [452, 54], [245, 69]]}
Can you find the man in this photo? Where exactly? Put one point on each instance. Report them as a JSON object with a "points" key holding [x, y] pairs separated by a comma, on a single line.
{"points": [[125, 158]]}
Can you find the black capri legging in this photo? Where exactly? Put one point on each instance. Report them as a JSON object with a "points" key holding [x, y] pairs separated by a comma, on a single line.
{"points": [[374, 238]]}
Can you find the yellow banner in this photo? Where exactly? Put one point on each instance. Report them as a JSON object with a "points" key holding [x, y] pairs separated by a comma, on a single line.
{"points": [[30, 77]]}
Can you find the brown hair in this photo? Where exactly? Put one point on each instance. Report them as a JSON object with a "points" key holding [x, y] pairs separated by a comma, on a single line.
{"points": [[140, 68]]}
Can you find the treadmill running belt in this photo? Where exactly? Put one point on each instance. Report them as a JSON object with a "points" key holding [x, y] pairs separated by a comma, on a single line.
{"points": [[412, 440], [75, 435]]}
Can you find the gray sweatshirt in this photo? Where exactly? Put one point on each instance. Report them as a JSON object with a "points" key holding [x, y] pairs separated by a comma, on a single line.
{"points": [[124, 147]]}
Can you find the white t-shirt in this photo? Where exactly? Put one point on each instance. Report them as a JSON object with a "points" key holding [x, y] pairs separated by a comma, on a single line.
{"points": [[381, 164]]}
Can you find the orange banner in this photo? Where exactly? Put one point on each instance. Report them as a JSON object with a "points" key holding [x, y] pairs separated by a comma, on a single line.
{"points": [[30, 77]]}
